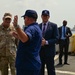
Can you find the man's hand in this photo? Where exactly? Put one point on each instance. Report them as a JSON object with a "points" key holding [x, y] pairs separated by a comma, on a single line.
{"points": [[67, 35], [43, 42], [15, 21], [14, 33]]}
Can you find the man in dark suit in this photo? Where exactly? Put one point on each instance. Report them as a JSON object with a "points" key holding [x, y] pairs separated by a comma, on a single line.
{"points": [[49, 38], [64, 34]]}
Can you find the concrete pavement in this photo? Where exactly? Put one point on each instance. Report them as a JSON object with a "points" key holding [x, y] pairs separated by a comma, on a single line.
{"points": [[66, 69], [63, 69]]}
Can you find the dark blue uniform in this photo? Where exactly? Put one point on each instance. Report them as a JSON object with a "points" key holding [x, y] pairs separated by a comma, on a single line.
{"points": [[28, 60]]}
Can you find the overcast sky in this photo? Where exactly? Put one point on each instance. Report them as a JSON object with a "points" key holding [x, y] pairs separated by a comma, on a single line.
{"points": [[59, 9]]}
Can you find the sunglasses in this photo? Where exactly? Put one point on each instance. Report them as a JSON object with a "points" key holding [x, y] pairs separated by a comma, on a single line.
{"points": [[7, 19]]}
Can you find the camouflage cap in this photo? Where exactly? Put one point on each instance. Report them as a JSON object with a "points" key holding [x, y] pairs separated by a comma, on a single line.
{"points": [[7, 15]]}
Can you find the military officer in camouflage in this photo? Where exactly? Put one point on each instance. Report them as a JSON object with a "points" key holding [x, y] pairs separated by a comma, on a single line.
{"points": [[7, 46]]}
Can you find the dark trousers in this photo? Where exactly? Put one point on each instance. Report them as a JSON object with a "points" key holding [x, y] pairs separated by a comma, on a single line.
{"points": [[49, 62], [27, 72], [63, 49]]}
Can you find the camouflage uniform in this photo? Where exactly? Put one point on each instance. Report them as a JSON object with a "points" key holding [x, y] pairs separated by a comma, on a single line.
{"points": [[7, 51]]}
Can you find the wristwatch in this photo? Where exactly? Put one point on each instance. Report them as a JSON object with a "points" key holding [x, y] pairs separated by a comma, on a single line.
{"points": [[17, 26]]}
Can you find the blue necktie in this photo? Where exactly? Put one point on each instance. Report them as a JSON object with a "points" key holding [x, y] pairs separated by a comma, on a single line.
{"points": [[43, 31], [64, 31]]}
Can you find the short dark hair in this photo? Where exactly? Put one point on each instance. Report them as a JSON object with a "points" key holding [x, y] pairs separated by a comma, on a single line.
{"points": [[64, 21]]}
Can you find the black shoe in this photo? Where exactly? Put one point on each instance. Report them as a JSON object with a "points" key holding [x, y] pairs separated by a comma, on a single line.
{"points": [[59, 64], [66, 64]]}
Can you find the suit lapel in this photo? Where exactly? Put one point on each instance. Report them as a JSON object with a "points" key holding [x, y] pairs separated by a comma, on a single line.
{"points": [[40, 26], [49, 27], [66, 30], [60, 31]]}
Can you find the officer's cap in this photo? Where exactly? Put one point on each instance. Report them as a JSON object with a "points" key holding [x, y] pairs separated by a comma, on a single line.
{"points": [[46, 12], [31, 13]]}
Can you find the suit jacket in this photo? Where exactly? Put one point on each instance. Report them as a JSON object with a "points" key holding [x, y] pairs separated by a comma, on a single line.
{"points": [[68, 32], [51, 35]]}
